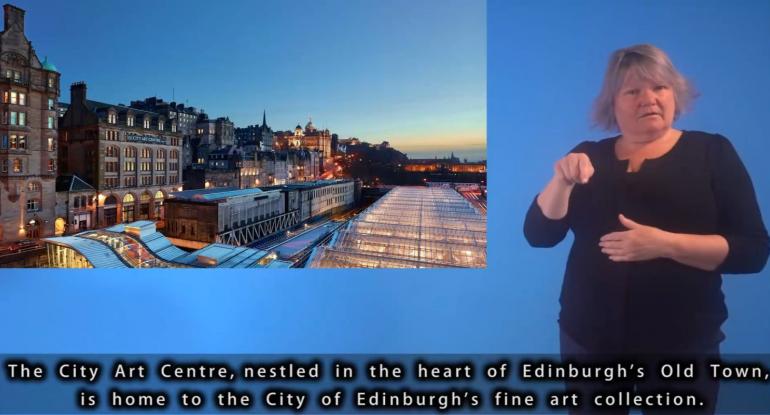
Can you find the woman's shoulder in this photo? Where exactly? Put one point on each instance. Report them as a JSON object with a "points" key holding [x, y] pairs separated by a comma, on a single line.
{"points": [[595, 146]]}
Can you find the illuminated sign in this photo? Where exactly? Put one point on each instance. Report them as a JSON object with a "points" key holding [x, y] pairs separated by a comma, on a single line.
{"points": [[147, 139]]}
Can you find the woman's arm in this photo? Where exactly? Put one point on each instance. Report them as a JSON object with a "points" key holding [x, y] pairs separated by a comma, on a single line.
{"points": [[546, 223], [572, 169], [642, 242]]}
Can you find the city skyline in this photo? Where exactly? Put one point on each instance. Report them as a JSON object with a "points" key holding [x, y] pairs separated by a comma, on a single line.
{"points": [[421, 87]]}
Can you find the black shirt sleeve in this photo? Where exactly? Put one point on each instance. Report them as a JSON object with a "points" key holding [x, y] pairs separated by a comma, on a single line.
{"points": [[740, 220], [539, 230]]}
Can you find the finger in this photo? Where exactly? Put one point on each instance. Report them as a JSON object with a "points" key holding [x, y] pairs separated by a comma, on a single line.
{"points": [[621, 258], [628, 223], [586, 168], [563, 167], [613, 236], [613, 251], [611, 244], [574, 168]]}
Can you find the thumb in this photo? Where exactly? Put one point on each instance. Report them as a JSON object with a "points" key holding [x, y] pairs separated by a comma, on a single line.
{"points": [[628, 223]]}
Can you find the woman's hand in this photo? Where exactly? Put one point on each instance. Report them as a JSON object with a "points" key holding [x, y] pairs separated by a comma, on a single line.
{"points": [[641, 242], [574, 168], [638, 243]]}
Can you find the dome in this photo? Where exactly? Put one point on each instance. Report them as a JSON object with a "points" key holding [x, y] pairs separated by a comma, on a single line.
{"points": [[309, 126], [48, 66]]}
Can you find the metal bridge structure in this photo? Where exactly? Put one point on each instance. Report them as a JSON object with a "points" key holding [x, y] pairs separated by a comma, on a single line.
{"points": [[249, 233]]}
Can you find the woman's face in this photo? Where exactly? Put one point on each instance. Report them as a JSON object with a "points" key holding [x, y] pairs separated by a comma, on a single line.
{"points": [[643, 107]]}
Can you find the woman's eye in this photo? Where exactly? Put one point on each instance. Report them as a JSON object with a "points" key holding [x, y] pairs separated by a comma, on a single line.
{"points": [[632, 92], [660, 87]]}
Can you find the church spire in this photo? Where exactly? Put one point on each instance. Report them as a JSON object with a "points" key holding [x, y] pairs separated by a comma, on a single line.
{"points": [[264, 118]]}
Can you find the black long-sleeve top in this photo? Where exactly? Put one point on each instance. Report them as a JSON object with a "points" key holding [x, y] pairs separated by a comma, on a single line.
{"points": [[699, 187]]}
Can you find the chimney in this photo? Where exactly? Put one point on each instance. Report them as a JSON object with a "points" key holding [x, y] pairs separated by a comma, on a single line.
{"points": [[78, 93], [13, 16]]}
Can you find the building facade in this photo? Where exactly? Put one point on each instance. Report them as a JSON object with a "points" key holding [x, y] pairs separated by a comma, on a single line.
{"points": [[29, 90], [132, 157]]}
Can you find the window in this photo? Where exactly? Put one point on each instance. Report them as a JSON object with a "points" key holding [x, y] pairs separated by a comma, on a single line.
{"points": [[111, 182], [160, 125], [14, 118], [23, 118], [160, 181], [51, 122], [51, 104], [51, 165], [112, 118], [129, 166], [111, 166], [160, 166], [146, 180], [111, 135], [14, 97], [33, 187], [18, 166], [130, 121], [146, 166], [33, 205], [3, 166], [112, 151], [4, 143], [161, 153], [130, 181], [22, 99], [51, 144], [130, 152], [146, 153], [18, 142], [173, 127], [146, 122], [51, 81]]}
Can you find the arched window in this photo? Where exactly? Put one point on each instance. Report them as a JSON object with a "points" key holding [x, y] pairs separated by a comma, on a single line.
{"points": [[128, 208], [158, 205], [112, 151], [146, 152]]}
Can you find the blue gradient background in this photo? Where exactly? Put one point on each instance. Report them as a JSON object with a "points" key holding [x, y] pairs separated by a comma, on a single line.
{"points": [[545, 62]]}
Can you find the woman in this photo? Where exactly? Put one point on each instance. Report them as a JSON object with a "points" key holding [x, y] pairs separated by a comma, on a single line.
{"points": [[658, 214]]}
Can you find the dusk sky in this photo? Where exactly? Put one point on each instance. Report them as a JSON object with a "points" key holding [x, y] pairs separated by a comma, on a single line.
{"points": [[412, 73]]}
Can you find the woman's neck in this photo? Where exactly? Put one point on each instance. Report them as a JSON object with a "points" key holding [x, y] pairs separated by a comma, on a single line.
{"points": [[646, 146]]}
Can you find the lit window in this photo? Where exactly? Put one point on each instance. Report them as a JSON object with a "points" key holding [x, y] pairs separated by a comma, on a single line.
{"points": [[33, 187], [146, 123], [51, 144], [33, 205], [51, 165], [14, 118], [130, 121], [51, 82], [51, 122], [14, 97], [22, 118], [51, 104], [160, 125], [173, 127], [22, 99], [17, 166], [112, 118]]}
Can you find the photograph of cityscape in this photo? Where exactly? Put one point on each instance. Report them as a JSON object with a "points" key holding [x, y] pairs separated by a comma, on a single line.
{"points": [[330, 138]]}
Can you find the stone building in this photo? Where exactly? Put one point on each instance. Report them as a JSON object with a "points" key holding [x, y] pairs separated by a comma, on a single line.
{"points": [[254, 138], [309, 138], [29, 91], [131, 157]]}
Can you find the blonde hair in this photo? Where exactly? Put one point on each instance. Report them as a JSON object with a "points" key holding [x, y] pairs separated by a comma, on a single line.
{"points": [[648, 62]]}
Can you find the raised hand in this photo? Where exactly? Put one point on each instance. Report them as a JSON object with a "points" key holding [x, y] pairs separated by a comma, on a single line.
{"points": [[574, 168]]}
